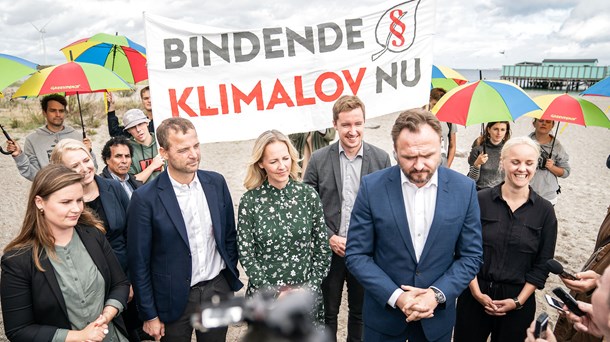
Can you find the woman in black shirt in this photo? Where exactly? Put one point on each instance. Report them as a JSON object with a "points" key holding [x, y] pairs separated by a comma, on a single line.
{"points": [[519, 234]]}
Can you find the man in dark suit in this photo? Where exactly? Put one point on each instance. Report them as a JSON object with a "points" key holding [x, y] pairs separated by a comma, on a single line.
{"points": [[414, 240], [335, 173], [116, 154], [181, 239]]}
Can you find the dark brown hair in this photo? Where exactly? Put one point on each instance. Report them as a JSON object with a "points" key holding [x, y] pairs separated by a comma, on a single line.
{"points": [[174, 124], [35, 233], [413, 120]]}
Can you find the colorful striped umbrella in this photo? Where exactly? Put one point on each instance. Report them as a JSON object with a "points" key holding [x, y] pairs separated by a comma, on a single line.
{"points": [[117, 53], [483, 101], [13, 69], [601, 88], [570, 109], [72, 78], [446, 78]]}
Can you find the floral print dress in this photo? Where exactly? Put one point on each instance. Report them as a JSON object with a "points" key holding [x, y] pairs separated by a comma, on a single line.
{"points": [[282, 238]]}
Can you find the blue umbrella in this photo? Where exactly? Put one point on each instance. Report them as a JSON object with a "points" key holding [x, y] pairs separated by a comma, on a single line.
{"points": [[601, 88]]}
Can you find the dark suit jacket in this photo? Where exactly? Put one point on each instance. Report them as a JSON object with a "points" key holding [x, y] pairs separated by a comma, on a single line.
{"points": [[323, 173], [158, 245], [131, 180], [115, 203], [33, 307], [381, 256]]}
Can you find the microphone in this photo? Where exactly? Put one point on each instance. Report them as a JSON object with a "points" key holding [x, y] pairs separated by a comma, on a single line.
{"points": [[556, 268]]}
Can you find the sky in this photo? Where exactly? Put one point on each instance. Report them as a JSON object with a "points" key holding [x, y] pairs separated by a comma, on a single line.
{"points": [[470, 34]]}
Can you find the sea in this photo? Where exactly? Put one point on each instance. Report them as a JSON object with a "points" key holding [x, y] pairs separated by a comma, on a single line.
{"points": [[474, 75]]}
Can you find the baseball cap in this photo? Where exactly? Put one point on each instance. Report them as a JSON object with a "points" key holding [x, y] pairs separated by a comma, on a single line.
{"points": [[133, 117]]}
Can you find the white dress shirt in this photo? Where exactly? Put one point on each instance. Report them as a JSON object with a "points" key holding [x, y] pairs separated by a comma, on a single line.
{"points": [[206, 261], [420, 204]]}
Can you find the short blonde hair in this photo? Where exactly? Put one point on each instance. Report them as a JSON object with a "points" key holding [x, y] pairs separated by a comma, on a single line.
{"points": [[509, 144], [67, 145], [255, 175]]}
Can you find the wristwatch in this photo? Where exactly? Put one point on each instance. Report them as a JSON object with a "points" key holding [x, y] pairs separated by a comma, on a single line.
{"points": [[517, 303], [438, 295]]}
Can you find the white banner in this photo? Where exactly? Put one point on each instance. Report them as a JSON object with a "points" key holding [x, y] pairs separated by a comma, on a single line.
{"points": [[234, 84]]}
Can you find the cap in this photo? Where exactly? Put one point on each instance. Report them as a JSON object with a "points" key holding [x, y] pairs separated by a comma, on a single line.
{"points": [[133, 117]]}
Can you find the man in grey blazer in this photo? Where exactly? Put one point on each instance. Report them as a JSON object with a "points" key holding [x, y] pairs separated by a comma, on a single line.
{"points": [[335, 172]]}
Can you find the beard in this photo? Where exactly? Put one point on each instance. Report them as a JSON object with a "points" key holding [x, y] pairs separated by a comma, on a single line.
{"points": [[419, 177]]}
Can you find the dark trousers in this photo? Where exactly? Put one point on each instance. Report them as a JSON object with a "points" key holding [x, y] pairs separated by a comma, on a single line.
{"points": [[332, 290], [182, 330], [133, 322], [415, 333], [474, 325]]}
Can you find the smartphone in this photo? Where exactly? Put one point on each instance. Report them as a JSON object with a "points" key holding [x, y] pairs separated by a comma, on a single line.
{"points": [[568, 300], [554, 302], [541, 323]]}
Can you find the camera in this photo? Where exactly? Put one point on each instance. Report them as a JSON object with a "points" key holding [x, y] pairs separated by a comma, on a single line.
{"points": [[286, 319], [542, 162]]}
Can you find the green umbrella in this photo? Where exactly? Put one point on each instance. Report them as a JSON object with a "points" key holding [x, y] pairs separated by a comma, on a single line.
{"points": [[13, 69]]}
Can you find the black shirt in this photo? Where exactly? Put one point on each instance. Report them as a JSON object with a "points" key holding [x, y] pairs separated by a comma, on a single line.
{"points": [[516, 245]]}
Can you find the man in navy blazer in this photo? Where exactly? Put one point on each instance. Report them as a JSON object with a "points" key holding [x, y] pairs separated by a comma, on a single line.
{"points": [[181, 239], [414, 240]]}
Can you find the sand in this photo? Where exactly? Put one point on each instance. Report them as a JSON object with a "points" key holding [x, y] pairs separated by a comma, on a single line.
{"points": [[580, 210]]}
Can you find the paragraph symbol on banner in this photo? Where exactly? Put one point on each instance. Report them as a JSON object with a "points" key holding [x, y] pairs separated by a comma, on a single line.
{"points": [[395, 29]]}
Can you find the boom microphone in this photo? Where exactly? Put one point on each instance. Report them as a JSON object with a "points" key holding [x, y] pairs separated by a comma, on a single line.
{"points": [[556, 268]]}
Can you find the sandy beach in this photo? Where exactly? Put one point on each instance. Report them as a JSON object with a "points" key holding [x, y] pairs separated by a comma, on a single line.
{"points": [[580, 210]]}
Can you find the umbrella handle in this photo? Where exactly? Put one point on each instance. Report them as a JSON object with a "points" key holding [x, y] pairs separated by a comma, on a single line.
{"points": [[82, 122], [8, 138], [554, 138]]}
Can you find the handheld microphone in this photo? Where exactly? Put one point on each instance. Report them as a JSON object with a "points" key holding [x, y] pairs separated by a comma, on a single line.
{"points": [[556, 268]]}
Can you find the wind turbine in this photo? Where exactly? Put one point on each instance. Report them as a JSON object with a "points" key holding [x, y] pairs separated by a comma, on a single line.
{"points": [[42, 32]]}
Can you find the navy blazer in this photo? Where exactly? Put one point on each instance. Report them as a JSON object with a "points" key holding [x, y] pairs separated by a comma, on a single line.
{"points": [[381, 256], [33, 305], [158, 246], [115, 203]]}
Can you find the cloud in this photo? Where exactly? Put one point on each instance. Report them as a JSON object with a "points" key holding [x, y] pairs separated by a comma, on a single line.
{"points": [[468, 33], [527, 7]]}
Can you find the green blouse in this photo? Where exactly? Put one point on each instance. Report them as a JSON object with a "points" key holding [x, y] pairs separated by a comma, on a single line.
{"points": [[82, 287], [282, 238]]}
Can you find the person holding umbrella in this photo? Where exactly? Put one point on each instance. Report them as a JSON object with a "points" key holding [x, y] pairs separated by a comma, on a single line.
{"points": [[553, 161], [39, 144], [484, 157]]}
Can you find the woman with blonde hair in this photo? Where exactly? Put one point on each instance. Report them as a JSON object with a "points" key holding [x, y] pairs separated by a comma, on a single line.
{"points": [[60, 278], [103, 196], [281, 234], [519, 234]]}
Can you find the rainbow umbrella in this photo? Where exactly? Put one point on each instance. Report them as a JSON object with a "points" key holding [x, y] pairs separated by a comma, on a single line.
{"points": [[601, 88], [13, 69], [570, 109], [72, 78], [117, 53], [566, 108], [483, 101], [446, 78]]}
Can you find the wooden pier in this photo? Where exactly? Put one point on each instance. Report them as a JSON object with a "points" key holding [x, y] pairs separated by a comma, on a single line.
{"points": [[569, 74]]}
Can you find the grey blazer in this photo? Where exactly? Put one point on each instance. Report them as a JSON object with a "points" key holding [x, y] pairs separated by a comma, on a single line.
{"points": [[323, 173]]}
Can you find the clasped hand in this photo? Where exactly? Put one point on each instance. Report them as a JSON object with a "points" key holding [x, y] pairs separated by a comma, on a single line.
{"points": [[496, 307], [416, 303]]}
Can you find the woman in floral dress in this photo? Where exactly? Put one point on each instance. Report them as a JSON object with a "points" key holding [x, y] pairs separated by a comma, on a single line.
{"points": [[281, 234]]}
